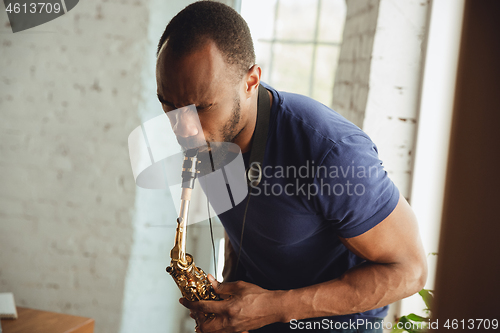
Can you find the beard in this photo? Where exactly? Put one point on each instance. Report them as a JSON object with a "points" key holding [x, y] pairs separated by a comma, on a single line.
{"points": [[230, 131]]}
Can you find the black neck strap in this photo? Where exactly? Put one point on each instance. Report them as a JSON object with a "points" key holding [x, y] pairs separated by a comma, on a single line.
{"points": [[254, 172]]}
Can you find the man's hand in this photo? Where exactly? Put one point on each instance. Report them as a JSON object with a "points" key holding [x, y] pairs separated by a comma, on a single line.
{"points": [[244, 306]]}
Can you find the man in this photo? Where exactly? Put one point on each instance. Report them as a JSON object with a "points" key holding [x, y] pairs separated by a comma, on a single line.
{"points": [[321, 250]]}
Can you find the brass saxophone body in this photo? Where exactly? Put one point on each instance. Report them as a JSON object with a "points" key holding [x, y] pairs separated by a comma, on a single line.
{"points": [[191, 280]]}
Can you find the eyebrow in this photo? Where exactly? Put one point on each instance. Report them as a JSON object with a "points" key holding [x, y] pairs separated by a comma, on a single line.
{"points": [[164, 101]]}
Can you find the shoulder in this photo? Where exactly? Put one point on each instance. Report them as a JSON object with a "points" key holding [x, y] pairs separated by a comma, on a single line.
{"points": [[308, 117], [306, 130]]}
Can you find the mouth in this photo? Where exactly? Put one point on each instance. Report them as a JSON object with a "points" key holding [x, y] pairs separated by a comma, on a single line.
{"points": [[204, 149], [201, 149], [191, 143]]}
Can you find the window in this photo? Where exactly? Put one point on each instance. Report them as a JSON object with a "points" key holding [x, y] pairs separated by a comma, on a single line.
{"points": [[297, 43]]}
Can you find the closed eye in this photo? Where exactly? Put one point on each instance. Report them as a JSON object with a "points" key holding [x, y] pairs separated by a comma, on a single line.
{"points": [[204, 107], [165, 102]]}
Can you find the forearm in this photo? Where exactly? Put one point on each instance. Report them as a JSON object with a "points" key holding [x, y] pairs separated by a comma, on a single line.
{"points": [[395, 267], [362, 288]]}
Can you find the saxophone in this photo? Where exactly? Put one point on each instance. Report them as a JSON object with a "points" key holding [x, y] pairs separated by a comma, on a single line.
{"points": [[191, 280]]}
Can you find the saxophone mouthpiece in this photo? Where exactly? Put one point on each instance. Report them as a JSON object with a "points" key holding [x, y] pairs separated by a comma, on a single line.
{"points": [[190, 168]]}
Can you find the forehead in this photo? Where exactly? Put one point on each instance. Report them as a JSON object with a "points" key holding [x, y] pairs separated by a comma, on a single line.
{"points": [[198, 77]]}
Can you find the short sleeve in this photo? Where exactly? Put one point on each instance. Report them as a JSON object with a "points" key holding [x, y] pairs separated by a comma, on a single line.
{"points": [[355, 191]]}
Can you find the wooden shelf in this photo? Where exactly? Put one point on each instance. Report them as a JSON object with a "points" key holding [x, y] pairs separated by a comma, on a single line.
{"points": [[37, 321]]}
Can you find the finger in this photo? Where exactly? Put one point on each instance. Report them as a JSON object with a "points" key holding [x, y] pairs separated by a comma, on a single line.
{"points": [[213, 281], [227, 288], [204, 306], [212, 324], [219, 290], [196, 315], [201, 320]]}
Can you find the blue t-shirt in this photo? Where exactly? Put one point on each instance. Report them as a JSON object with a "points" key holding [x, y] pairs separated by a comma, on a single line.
{"points": [[322, 179]]}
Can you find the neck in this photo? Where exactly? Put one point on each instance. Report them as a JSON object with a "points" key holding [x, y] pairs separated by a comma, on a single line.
{"points": [[244, 138]]}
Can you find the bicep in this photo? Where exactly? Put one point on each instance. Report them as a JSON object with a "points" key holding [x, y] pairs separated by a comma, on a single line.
{"points": [[394, 240]]}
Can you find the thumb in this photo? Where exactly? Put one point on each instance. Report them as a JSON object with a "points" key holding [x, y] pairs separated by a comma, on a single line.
{"points": [[219, 288], [214, 282], [225, 288]]}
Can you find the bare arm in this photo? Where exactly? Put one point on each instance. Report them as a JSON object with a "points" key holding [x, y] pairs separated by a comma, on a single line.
{"points": [[395, 268]]}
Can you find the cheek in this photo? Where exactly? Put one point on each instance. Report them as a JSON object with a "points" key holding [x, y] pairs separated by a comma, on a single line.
{"points": [[214, 121], [209, 127]]}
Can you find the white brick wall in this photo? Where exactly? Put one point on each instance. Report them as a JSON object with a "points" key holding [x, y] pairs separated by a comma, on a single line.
{"points": [[76, 235], [378, 77], [377, 84], [395, 77], [69, 93]]}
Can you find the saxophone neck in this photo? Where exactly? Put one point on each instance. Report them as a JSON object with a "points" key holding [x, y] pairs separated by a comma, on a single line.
{"points": [[178, 252], [189, 174]]}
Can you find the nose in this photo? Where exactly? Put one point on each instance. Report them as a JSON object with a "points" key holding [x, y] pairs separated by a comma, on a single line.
{"points": [[185, 123]]}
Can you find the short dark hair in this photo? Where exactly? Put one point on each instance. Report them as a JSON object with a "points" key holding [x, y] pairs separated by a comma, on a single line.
{"points": [[209, 20]]}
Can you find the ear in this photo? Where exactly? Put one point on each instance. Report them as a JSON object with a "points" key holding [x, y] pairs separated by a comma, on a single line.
{"points": [[252, 80]]}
